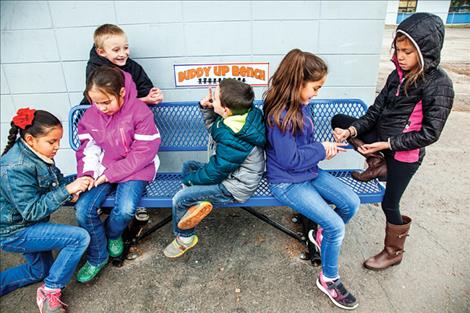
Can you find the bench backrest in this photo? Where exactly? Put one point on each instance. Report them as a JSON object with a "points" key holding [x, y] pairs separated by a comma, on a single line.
{"points": [[182, 129]]}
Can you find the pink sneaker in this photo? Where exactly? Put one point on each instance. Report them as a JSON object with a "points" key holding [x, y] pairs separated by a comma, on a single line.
{"points": [[316, 238], [337, 293], [49, 300]]}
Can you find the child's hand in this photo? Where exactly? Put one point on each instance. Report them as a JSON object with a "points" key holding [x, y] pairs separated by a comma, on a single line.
{"points": [[155, 96], [78, 185], [100, 180], [373, 147], [341, 134], [206, 102], [333, 148]]}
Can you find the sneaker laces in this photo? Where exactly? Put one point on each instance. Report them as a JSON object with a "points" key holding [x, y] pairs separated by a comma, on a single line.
{"points": [[53, 298]]}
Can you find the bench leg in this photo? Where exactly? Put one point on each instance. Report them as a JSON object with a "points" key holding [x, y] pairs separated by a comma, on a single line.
{"points": [[135, 232], [296, 235], [312, 252]]}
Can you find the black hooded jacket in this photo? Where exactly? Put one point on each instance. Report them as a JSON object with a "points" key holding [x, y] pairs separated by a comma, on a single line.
{"points": [[413, 119], [141, 80]]}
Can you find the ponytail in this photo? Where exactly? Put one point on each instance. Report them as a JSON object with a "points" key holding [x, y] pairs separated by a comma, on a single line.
{"points": [[12, 134]]}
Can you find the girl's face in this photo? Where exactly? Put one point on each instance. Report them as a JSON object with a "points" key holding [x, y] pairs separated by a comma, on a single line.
{"points": [[407, 55], [105, 102], [48, 144], [310, 90]]}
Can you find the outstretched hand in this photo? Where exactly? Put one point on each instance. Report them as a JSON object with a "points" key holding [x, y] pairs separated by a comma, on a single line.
{"points": [[333, 148], [369, 148]]}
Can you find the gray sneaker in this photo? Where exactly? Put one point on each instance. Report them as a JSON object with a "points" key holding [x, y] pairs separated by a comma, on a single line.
{"points": [[177, 248]]}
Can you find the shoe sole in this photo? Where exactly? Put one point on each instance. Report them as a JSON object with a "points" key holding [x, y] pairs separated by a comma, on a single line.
{"points": [[339, 305], [192, 220], [196, 239], [379, 269]]}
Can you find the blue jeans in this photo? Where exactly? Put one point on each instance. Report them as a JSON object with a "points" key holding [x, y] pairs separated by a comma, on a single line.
{"points": [[128, 196], [189, 196], [308, 198], [36, 243]]}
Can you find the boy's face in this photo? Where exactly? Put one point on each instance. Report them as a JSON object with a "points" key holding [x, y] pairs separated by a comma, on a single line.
{"points": [[115, 49], [218, 108]]}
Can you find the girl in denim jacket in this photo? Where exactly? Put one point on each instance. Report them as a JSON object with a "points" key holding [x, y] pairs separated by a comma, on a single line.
{"points": [[31, 189], [118, 151]]}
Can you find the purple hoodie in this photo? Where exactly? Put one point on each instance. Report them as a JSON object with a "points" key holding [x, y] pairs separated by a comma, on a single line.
{"points": [[122, 146], [293, 159]]}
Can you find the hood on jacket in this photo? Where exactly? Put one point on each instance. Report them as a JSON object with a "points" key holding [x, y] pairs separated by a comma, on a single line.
{"points": [[426, 31], [254, 130]]}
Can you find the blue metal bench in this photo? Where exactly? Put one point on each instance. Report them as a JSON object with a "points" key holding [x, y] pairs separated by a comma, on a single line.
{"points": [[182, 129]]}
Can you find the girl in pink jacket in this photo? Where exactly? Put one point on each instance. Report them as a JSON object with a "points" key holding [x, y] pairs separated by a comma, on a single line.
{"points": [[118, 150]]}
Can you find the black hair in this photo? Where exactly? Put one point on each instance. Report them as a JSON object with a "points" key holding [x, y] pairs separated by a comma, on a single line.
{"points": [[107, 79], [236, 95], [42, 124]]}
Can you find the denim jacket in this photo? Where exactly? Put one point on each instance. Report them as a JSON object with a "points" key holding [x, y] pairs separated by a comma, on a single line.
{"points": [[30, 189]]}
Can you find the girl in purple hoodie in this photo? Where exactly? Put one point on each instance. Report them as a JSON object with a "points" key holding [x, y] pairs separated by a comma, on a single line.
{"points": [[118, 150], [292, 156]]}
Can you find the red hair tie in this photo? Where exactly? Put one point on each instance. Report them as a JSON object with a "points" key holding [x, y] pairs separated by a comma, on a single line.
{"points": [[24, 117]]}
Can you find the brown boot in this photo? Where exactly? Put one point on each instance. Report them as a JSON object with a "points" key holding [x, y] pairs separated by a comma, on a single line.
{"points": [[376, 165], [392, 254]]}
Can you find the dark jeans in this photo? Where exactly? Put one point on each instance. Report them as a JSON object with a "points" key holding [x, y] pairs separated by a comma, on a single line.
{"points": [[399, 174]]}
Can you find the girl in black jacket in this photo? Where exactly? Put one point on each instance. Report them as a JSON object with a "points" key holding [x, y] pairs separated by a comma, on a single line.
{"points": [[407, 115]]}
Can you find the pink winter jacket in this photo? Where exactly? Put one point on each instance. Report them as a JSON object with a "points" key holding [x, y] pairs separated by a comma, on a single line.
{"points": [[122, 146]]}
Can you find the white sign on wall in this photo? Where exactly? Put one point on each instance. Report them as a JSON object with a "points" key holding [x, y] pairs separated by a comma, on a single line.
{"points": [[205, 75]]}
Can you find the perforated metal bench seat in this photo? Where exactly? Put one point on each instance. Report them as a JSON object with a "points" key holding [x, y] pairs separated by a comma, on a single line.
{"points": [[182, 129], [159, 193]]}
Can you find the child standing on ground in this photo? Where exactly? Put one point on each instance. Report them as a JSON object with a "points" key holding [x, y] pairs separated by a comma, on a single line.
{"points": [[408, 114], [118, 150], [234, 170], [31, 189], [111, 48], [292, 156]]}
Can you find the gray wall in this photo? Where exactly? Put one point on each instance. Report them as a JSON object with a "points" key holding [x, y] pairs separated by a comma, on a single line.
{"points": [[45, 45]]}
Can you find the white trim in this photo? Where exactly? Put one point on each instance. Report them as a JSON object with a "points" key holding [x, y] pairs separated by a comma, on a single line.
{"points": [[416, 46], [146, 137], [84, 136]]}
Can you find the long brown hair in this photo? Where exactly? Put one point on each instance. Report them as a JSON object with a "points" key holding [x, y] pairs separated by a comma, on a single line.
{"points": [[415, 73], [296, 69]]}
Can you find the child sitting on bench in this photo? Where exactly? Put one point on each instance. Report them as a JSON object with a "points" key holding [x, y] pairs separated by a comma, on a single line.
{"points": [[233, 171]]}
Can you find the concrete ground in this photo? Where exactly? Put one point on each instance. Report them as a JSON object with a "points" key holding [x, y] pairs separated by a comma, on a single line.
{"points": [[243, 265]]}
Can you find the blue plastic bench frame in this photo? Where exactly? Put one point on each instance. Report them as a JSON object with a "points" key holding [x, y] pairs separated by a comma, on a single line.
{"points": [[182, 129]]}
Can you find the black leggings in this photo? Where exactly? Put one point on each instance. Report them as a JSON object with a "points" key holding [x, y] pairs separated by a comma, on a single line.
{"points": [[399, 173]]}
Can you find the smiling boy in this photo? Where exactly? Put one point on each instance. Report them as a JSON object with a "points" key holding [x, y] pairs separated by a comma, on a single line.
{"points": [[112, 48]]}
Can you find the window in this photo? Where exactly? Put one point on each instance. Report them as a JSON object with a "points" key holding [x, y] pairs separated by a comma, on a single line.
{"points": [[407, 6], [459, 6]]}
